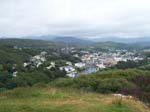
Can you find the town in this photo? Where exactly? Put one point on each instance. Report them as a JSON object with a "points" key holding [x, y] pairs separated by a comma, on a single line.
{"points": [[90, 62]]}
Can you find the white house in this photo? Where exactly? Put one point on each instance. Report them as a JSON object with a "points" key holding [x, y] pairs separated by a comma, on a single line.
{"points": [[15, 74], [68, 63], [80, 65], [71, 72], [25, 64], [51, 65], [101, 66]]}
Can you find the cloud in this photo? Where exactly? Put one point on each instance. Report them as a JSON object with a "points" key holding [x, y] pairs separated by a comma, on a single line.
{"points": [[84, 18]]}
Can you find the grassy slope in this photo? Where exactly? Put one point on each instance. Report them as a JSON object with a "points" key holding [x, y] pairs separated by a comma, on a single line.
{"points": [[48, 99]]}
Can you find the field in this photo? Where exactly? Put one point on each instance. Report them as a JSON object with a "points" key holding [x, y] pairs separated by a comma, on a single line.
{"points": [[49, 99]]}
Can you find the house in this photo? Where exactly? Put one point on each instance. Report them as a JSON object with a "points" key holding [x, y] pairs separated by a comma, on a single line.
{"points": [[70, 70], [69, 63], [76, 55], [52, 65], [25, 64], [15, 74], [67, 68], [38, 64], [43, 53], [37, 60], [80, 65], [110, 62], [72, 74], [101, 66]]}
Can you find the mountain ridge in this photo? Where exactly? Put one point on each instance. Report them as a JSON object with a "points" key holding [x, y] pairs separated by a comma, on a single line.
{"points": [[74, 39]]}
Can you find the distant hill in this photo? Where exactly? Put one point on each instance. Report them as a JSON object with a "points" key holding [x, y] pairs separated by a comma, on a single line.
{"points": [[109, 45], [59, 42], [27, 43], [42, 37], [142, 44], [105, 42], [65, 39], [34, 43], [70, 40], [118, 45], [123, 40]]}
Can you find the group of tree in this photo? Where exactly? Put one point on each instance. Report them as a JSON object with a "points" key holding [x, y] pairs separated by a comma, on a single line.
{"points": [[12, 59]]}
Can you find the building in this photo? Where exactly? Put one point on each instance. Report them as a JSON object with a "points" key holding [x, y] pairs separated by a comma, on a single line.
{"points": [[80, 65]]}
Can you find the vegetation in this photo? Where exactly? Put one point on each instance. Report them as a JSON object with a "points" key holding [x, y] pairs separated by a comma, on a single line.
{"points": [[9, 55], [27, 43], [12, 59], [143, 64], [42, 98], [80, 94], [105, 46], [131, 82]]}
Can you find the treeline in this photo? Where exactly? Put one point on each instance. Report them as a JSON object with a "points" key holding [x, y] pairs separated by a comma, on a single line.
{"points": [[143, 64], [129, 82]]}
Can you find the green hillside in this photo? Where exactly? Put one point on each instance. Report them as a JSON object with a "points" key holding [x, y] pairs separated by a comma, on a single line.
{"points": [[39, 44], [47, 99], [11, 55], [109, 45], [27, 43]]}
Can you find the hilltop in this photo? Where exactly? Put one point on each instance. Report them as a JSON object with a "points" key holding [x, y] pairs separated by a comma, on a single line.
{"points": [[42, 98]]}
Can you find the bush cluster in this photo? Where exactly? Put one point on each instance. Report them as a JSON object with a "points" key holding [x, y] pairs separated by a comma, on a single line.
{"points": [[129, 82]]}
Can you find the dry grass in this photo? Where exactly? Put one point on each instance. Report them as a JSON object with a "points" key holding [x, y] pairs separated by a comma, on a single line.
{"points": [[64, 100]]}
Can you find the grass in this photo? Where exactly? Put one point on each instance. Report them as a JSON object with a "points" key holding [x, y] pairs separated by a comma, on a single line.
{"points": [[49, 99]]}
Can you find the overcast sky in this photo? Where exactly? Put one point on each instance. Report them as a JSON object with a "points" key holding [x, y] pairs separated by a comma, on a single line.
{"points": [[83, 18]]}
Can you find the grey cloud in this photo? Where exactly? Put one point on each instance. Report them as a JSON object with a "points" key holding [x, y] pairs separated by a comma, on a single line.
{"points": [[84, 18]]}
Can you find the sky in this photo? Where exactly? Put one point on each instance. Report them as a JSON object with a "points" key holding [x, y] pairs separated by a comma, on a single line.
{"points": [[80, 18]]}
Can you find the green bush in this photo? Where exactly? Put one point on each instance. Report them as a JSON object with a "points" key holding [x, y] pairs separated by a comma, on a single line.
{"points": [[88, 83], [110, 81], [62, 82], [113, 85]]}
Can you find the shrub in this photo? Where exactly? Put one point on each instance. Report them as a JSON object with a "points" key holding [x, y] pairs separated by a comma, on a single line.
{"points": [[113, 85], [62, 82]]}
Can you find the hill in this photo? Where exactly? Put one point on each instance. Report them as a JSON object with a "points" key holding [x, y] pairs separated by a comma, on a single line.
{"points": [[71, 40], [65, 39], [60, 42], [118, 45], [11, 55], [42, 98], [27, 43], [43, 44], [109, 45], [123, 40]]}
